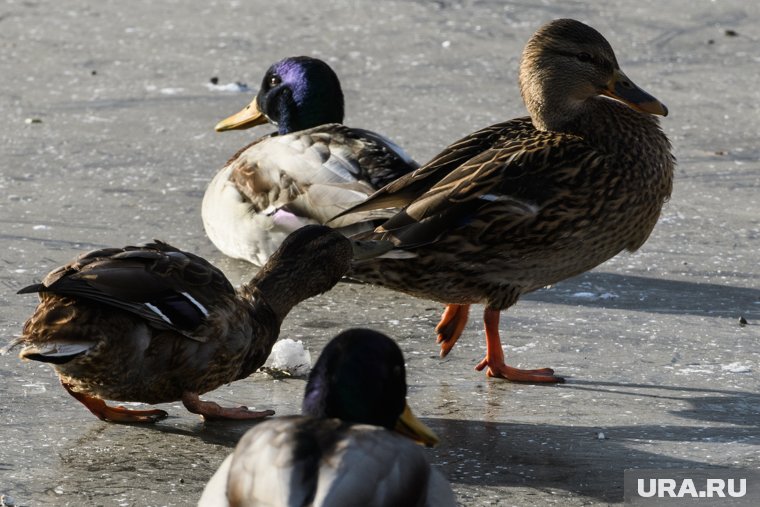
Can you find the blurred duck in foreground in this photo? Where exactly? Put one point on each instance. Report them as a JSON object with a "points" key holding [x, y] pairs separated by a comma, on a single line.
{"points": [[343, 451], [309, 170], [154, 324], [526, 203]]}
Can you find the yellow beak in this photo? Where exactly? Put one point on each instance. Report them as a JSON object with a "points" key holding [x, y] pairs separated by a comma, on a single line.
{"points": [[624, 90], [249, 117], [411, 427]]}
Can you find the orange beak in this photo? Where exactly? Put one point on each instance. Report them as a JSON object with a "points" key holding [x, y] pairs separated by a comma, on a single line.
{"points": [[249, 117]]}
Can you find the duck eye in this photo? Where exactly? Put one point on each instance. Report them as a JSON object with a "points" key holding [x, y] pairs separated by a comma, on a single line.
{"points": [[274, 81], [584, 57]]}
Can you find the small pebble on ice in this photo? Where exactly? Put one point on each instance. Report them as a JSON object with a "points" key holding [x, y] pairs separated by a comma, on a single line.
{"points": [[291, 356]]}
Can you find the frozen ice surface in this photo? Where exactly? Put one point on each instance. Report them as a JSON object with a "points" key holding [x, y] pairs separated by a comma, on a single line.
{"points": [[691, 371], [736, 367], [229, 87], [116, 161], [594, 295], [171, 91], [291, 356]]}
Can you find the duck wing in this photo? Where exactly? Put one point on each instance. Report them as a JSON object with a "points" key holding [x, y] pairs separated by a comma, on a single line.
{"points": [[514, 174], [407, 188], [317, 173], [169, 288]]}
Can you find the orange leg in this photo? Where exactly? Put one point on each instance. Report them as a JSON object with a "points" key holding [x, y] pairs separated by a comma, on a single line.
{"points": [[495, 357], [210, 410], [115, 414], [450, 327]]}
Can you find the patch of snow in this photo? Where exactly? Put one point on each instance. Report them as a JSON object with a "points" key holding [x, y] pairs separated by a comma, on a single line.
{"points": [[291, 356], [689, 371], [736, 368]]}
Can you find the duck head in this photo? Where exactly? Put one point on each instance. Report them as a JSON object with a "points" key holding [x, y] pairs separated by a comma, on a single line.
{"points": [[360, 378], [297, 93], [566, 66]]}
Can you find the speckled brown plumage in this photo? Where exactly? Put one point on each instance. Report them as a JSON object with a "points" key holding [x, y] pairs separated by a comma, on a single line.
{"points": [[532, 201], [367, 156], [154, 324]]}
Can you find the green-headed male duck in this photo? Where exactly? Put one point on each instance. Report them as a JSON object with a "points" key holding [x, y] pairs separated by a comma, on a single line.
{"points": [[347, 448], [309, 170]]}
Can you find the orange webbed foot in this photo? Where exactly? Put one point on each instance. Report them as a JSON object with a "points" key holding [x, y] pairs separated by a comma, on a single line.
{"points": [[115, 414], [213, 411], [494, 359], [502, 370]]}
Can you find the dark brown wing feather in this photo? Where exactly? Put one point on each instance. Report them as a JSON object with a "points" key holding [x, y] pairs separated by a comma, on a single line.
{"points": [[406, 189], [169, 288], [516, 166]]}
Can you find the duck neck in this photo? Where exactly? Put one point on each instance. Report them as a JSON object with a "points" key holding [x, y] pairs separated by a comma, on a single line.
{"points": [[300, 113], [309, 262], [288, 281], [263, 317], [287, 118], [549, 111], [272, 293]]}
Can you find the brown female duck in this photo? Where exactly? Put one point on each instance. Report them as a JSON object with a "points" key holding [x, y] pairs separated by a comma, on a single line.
{"points": [[529, 202], [154, 324]]}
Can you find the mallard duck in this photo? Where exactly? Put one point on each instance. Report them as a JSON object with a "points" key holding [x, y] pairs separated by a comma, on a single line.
{"points": [[305, 173], [154, 324], [342, 451], [526, 203]]}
